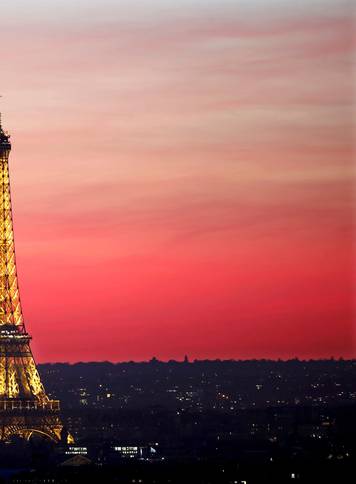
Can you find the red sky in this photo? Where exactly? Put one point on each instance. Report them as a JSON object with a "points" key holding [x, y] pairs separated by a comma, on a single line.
{"points": [[182, 177]]}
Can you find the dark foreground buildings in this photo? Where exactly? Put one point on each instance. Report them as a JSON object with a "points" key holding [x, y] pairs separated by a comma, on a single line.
{"points": [[202, 422]]}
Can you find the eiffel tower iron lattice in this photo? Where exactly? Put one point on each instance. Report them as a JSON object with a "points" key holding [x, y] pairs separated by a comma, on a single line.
{"points": [[25, 409]]}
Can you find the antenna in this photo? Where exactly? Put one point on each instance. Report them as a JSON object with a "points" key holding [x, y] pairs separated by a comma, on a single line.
{"points": [[4, 135]]}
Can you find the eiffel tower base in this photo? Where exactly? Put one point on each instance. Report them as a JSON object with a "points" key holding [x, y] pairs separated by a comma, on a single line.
{"points": [[27, 419]]}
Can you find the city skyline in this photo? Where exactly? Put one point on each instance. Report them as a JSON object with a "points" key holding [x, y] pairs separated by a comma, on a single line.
{"points": [[179, 184]]}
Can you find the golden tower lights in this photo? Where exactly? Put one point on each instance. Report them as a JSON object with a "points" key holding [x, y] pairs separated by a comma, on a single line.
{"points": [[25, 408]]}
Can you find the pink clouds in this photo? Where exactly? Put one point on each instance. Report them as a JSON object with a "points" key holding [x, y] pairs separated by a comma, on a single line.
{"points": [[183, 176]]}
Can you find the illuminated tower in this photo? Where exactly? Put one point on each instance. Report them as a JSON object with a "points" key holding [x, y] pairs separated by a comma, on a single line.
{"points": [[25, 408]]}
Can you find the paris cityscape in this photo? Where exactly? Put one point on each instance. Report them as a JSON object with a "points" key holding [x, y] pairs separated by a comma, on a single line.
{"points": [[294, 419], [178, 179]]}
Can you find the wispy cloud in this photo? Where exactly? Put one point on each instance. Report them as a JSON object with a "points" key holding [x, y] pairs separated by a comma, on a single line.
{"points": [[195, 159]]}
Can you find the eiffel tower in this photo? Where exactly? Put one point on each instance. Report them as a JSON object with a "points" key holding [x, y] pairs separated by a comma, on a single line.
{"points": [[25, 409]]}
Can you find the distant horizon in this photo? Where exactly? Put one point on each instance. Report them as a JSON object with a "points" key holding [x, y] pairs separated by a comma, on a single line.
{"points": [[196, 360]]}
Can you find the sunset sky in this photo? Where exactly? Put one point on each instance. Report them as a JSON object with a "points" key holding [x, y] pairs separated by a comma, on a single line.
{"points": [[182, 176]]}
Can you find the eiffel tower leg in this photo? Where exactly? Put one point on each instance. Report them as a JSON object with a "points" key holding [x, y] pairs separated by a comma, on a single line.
{"points": [[48, 426]]}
